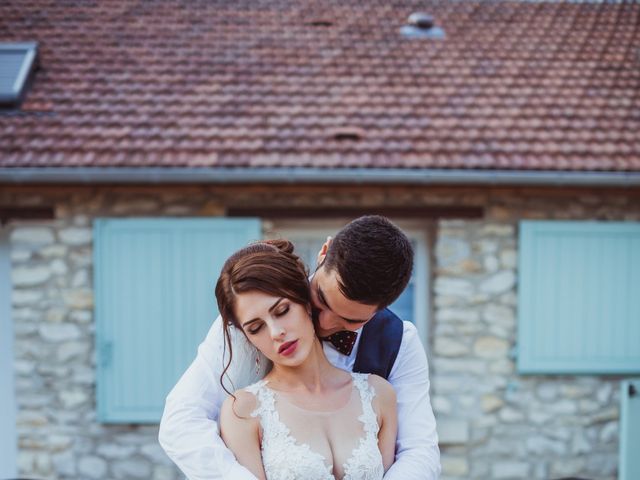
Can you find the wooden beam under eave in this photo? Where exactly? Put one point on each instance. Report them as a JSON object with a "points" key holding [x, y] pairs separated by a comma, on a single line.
{"points": [[419, 212], [25, 213]]}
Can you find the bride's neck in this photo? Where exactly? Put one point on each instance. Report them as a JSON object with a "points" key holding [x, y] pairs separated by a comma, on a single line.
{"points": [[312, 375]]}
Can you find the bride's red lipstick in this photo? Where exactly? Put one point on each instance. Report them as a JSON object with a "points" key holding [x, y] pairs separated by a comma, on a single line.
{"points": [[288, 348]]}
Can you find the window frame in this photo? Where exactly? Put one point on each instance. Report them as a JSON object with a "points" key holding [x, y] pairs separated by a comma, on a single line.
{"points": [[29, 50]]}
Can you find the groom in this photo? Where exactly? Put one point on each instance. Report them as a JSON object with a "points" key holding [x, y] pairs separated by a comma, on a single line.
{"points": [[360, 272]]}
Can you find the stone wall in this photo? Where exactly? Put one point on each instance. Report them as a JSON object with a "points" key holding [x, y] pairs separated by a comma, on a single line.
{"points": [[500, 424], [493, 422], [59, 437]]}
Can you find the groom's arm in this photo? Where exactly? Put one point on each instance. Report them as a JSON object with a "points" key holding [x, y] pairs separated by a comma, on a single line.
{"points": [[188, 429], [417, 453]]}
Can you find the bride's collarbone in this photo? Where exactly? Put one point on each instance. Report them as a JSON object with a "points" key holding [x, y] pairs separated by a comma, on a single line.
{"points": [[326, 401]]}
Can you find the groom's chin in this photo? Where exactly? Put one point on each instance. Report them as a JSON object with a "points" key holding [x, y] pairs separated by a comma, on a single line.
{"points": [[322, 333]]}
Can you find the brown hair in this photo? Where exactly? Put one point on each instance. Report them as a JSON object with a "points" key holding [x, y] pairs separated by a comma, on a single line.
{"points": [[269, 266], [374, 260]]}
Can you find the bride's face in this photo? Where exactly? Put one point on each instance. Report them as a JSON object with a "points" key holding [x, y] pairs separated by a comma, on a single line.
{"points": [[281, 329]]}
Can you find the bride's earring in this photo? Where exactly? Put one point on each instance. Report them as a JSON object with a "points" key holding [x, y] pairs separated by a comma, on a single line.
{"points": [[257, 365]]}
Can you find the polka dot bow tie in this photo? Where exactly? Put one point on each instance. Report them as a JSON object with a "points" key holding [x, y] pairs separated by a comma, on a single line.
{"points": [[343, 341]]}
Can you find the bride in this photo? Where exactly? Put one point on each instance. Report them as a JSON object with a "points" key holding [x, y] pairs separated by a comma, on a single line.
{"points": [[306, 419]]}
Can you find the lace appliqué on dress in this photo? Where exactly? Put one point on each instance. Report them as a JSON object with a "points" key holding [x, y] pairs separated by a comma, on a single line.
{"points": [[279, 448], [286, 459], [366, 461]]}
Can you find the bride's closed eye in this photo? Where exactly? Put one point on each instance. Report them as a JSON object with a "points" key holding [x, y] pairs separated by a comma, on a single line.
{"points": [[255, 329], [279, 313]]}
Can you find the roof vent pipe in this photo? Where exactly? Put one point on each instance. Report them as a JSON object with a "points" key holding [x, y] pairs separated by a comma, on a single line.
{"points": [[421, 25], [320, 22], [420, 20], [347, 134]]}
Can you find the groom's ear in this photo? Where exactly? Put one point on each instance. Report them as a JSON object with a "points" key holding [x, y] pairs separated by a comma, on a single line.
{"points": [[323, 251]]}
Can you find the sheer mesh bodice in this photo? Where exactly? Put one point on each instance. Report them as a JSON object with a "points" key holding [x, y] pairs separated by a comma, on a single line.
{"points": [[306, 445]]}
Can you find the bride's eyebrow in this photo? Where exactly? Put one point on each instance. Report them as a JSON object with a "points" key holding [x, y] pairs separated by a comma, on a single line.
{"points": [[275, 305], [271, 308], [253, 320]]}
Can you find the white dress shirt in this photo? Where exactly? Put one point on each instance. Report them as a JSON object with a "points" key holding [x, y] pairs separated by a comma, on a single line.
{"points": [[189, 431]]}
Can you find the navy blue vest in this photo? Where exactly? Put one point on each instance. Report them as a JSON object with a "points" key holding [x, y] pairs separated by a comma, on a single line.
{"points": [[379, 344]]}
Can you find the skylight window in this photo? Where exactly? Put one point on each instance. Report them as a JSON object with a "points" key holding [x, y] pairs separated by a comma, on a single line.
{"points": [[17, 62]]}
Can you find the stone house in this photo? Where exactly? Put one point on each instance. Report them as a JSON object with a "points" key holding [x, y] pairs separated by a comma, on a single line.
{"points": [[152, 138]]}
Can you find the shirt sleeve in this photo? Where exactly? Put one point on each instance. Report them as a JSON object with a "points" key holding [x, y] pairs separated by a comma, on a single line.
{"points": [[188, 430], [417, 453]]}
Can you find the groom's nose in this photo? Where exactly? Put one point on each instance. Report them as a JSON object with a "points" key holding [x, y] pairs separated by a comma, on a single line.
{"points": [[327, 319]]}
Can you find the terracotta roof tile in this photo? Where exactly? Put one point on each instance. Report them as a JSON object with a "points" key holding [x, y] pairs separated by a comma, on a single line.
{"points": [[272, 84]]}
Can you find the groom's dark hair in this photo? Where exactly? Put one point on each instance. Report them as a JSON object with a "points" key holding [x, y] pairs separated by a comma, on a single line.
{"points": [[373, 259]]}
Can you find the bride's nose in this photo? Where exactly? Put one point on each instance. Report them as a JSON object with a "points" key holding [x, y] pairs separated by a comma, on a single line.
{"points": [[277, 331]]}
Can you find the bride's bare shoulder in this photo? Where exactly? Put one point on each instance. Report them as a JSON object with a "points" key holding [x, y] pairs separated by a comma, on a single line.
{"points": [[241, 432], [240, 405], [384, 390]]}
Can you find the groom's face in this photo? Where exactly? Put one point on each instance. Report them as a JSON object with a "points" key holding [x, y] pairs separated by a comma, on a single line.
{"points": [[335, 312]]}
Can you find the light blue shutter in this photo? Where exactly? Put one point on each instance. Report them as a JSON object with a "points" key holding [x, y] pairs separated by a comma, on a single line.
{"points": [[579, 297], [154, 303], [630, 430], [8, 433]]}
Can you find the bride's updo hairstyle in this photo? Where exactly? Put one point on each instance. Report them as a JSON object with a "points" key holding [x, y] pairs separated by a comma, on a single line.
{"points": [[268, 266]]}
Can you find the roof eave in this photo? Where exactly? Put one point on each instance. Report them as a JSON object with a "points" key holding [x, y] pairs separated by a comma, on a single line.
{"points": [[181, 175]]}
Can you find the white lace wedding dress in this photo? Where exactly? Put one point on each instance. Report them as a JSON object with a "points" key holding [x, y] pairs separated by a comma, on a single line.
{"points": [[299, 444]]}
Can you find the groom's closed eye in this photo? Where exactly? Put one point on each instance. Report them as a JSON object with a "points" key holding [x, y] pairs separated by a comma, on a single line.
{"points": [[355, 322]]}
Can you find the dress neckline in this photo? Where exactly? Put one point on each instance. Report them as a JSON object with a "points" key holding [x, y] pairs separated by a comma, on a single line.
{"points": [[359, 382], [279, 396]]}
